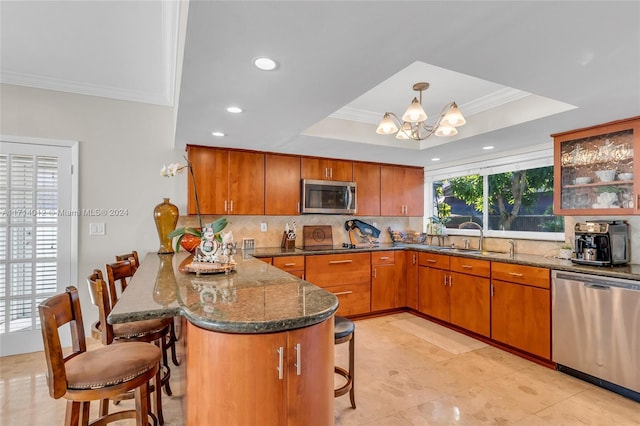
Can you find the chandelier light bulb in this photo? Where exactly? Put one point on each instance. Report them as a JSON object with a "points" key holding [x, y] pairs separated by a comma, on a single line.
{"points": [[415, 113], [454, 116], [386, 126], [446, 130], [405, 132]]}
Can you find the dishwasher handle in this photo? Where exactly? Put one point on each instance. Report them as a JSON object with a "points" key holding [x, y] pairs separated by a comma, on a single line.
{"points": [[597, 287]]}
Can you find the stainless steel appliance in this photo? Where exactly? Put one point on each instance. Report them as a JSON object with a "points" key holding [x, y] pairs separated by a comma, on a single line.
{"points": [[595, 330], [602, 243], [328, 197]]}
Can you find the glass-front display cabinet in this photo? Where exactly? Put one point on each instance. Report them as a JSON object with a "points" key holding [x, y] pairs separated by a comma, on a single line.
{"points": [[597, 170]]}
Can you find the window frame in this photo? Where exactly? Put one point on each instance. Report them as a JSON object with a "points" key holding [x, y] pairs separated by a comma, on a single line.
{"points": [[541, 158]]}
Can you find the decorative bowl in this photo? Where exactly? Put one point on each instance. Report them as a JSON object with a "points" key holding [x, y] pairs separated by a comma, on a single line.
{"points": [[606, 175], [582, 180], [625, 176]]}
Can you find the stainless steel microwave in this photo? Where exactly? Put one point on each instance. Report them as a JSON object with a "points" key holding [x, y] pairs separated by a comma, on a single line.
{"points": [[328, 197]]}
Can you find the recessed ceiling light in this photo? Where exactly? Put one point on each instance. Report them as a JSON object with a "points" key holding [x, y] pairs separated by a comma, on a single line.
{"points": [[234, 109], [487, 147], [218, 134], [435, 159], [265, 64]]}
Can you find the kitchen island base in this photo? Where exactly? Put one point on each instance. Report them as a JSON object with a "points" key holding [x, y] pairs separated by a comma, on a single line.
{"points": [[282, 378]]}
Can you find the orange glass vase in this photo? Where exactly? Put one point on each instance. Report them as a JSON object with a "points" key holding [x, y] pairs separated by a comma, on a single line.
{"points": [[166, 217]]}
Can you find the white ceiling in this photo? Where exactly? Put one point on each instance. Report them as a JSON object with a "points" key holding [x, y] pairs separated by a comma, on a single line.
{"points": [[519, 70]]}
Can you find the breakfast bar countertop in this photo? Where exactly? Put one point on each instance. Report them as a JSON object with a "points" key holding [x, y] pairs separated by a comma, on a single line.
{"points": [[255, 298]]}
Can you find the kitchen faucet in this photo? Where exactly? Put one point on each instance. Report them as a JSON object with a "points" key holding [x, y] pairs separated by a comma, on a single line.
{"points": [[470, 224]]}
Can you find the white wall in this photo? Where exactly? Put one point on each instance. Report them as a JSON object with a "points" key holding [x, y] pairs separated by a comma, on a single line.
{"points": [[122, 147]]}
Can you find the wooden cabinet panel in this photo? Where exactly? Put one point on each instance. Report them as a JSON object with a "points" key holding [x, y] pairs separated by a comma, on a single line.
{"points": [[268, 388], [434, 260], [291, 264], [211, 171], [401, 191], [282, 184], [521, 317], [470, 302], [433, 293], [246, 183], [326, 169], [412, 279], [353, 299], [388, 285], [348, 276], [268, 260], [529, 275], [228, 182], [578, 157], [338, 269], [367, 176], [465, 265]]}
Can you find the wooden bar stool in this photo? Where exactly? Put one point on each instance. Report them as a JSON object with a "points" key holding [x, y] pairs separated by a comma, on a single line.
{"points": [[344, 331], [121, 271], [98, 375], [149, 331]]}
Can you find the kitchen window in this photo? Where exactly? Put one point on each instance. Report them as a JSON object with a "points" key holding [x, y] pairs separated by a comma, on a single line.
{"points": [[508, 200]]}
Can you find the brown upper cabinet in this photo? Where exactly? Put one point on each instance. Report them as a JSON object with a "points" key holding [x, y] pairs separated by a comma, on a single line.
{"points": [[326, 169], [596, 171], [367, 176], [282, 184], [401, 191], [228, 181]]}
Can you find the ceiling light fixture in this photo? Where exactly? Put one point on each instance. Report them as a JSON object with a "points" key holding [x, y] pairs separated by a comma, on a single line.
{"points": [[413, 124], [265, 64], [218, 134], [234, 110]]}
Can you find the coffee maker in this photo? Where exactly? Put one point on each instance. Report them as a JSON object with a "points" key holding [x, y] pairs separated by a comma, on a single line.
{"points": [[602, 243]]}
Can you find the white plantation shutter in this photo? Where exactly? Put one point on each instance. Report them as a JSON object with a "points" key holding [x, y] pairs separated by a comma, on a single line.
{"points": [[34, 253], [29, 235]]}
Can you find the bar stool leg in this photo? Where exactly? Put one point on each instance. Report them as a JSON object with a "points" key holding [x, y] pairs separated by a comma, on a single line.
{"points": [[352, 369]]}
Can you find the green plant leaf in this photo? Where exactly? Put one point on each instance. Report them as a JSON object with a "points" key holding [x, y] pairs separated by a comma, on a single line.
{"points": [[219, 224]]}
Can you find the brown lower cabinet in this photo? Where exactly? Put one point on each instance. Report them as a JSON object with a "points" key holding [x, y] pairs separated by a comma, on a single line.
{"points": [[521, 307], [388, 280], [412, 279], [348, 276], [283, 378], [456, 290], [291, 264]]}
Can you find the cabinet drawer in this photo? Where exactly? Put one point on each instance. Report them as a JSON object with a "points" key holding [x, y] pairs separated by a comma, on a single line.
{"points": [[338, 269], [289, 263], [465, 265], [433, 260], [353, 299], [383, 257], [528, 275]]}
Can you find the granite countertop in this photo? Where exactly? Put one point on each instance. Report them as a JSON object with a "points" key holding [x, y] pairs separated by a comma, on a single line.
{"points": [[629, 271], [255, 298]]}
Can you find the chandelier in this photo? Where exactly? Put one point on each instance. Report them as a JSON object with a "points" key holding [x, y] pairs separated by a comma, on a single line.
{"points": [[413, 124]]}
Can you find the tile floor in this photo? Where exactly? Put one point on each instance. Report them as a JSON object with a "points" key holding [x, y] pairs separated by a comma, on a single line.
{"points": [[401, 379]]}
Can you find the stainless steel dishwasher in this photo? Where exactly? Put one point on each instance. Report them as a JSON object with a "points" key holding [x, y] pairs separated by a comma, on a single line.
{"points": [[595, 332]]}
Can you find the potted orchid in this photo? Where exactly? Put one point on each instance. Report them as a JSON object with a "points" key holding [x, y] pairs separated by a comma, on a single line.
{"points": [[185, 232]]}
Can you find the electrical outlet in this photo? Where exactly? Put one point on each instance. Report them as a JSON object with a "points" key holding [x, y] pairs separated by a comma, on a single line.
{"points": [[263, 227]]}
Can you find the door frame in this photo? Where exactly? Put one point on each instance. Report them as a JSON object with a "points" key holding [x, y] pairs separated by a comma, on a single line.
{"points": [[73, 237]]}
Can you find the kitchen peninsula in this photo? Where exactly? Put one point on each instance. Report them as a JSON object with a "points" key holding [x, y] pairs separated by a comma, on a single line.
{"points": [[259, 342]]}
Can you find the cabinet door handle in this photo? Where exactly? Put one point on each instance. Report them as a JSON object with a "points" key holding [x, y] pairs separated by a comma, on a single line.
{"points": [[280, 362], [225, 205], [298, 206], [298, 357], [331, 172], [492, 290], [375, 275], [341, 293], [516, 274], [384, 257], [467, 266], [431, 260], [414, 259], [290, 264], [231, 203], [326, 172], [334, 262]]}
